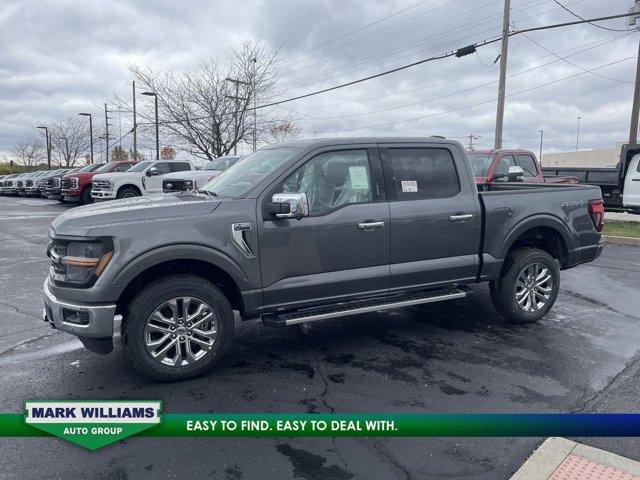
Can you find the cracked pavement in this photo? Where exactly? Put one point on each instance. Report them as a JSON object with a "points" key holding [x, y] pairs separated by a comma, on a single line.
{"points": [[457, 356]]}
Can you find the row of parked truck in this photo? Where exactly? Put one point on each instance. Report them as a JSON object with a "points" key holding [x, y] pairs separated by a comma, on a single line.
{"points": [[113, 180]]}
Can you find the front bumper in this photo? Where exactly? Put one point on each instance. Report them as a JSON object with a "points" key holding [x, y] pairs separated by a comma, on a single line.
{"points": [[103, 194], [83, 320]]}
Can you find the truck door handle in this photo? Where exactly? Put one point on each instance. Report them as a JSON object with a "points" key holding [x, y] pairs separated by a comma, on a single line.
{"points": [[464, 216], [370, 225]]}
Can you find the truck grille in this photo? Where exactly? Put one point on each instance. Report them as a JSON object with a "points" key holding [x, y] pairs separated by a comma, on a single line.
{"points": [[101, 185], [173, 186]]}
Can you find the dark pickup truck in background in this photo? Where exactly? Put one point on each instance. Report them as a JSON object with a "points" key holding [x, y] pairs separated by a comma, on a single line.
{"points": [[307, 231], [620, 185], [491, 166]]}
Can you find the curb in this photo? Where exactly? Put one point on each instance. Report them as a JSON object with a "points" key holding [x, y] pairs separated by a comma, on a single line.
{"points": [[615, 240]]}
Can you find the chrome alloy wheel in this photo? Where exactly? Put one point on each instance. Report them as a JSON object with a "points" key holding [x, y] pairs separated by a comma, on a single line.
{"points": [[534, 287], [181, 331]]}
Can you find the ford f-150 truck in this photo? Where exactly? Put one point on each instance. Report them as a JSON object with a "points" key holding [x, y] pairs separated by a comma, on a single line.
{"points": [[76, 187], [307, 231], [145, 178], [181, 181], [491, 166]]}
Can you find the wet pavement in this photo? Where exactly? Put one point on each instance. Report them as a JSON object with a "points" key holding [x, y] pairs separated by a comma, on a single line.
{"points": [[458, 356]]}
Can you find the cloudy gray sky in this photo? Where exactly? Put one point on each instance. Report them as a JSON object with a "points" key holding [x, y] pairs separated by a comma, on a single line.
{"points": [[62, 57]]}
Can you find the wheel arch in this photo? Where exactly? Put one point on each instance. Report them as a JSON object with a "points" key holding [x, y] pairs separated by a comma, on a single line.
{"points": [[177, 259], [546, 232], [131, 186]]}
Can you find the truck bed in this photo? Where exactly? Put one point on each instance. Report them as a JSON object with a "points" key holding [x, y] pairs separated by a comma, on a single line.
{"points": [[592, 176], [563, 207]]}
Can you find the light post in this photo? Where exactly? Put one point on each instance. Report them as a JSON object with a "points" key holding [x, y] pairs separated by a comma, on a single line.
{"points": [[255, 110], [155, 96], [48, 144], [541, 132], [578, 134], [83, 114], [66, 149]]}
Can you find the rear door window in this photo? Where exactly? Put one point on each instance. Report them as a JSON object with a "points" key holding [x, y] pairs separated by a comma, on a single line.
{"points": [[528, 164], [418, 173], [179, 166], [163, 167]]}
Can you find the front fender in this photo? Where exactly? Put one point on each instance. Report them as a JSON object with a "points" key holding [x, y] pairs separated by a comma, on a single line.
{"points": [[188, 251]]}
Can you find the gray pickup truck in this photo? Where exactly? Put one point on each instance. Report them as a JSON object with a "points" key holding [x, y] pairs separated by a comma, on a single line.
{"points": [[307, 231]]}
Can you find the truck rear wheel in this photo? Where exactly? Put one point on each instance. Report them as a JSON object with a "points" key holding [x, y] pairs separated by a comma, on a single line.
{"points": [[528, 285], [177, 328]]}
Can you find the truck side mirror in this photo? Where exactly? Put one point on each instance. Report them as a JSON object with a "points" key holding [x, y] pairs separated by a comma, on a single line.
{"points": [[516, 174], [152, 172], [289, 205]]}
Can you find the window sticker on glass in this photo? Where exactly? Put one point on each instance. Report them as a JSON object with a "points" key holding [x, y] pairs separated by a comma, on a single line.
{"points": [[359, 178], [409, 186]]}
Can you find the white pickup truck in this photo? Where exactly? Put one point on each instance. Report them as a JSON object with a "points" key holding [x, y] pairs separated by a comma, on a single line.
{"points": [[143, 178]]}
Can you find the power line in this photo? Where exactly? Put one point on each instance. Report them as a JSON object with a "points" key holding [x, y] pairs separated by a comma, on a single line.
{"points": [[470, 88], [479, 103], [590, 22], [573, 64]]}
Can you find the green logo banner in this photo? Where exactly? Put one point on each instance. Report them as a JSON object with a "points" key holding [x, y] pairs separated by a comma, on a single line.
{"points": [[93, 424]]}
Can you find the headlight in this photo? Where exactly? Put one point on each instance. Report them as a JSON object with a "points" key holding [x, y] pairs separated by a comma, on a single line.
{"points": [[79, 262]]}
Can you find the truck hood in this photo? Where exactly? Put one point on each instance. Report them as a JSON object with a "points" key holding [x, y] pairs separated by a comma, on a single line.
{"points": [[80, 221]]}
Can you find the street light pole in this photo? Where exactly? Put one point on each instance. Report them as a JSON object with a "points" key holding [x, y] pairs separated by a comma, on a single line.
{"points": [[106, 129], [155, 96], [48, 144], [83, 114], [541, 132], [135, 125], [255, 110], [578, 134]]}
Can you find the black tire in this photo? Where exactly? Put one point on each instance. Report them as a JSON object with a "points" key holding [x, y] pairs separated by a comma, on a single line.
{"points": [[145, 303], [127, 192], [62, 200], [505, 290], [85, 196]]}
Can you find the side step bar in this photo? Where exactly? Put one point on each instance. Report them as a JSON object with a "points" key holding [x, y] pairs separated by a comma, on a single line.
{"points": [[364, 306]]}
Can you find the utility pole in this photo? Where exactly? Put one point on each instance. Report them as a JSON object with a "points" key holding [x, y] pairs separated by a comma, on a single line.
{"points": [[135, 125], [236, 99], [503, 75], [66, 150], [541, 132], [472, 137], [635, 109], [578, 134], [106, 129], [48, 145]]}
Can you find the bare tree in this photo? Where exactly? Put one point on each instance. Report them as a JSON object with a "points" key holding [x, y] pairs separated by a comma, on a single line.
{"points": [[29, 152], [208, 112], [77, 144], [283, 131], [119, 154], [167, 153]]}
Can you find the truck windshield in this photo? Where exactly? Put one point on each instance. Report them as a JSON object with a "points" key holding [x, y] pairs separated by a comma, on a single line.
{"points": [[239, 179], [480, 163], [90, 168], [140, 167]]}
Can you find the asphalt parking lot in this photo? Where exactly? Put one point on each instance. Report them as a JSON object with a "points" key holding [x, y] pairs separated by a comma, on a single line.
{"points": [[457, 356]]}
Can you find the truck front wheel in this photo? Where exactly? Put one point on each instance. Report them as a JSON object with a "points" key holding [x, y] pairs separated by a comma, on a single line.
{"points": [[177, 328], [528, 285]]}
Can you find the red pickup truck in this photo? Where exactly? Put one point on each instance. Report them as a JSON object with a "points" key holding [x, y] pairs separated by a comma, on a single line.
{"points": [[76, 187], [491, 166]]}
